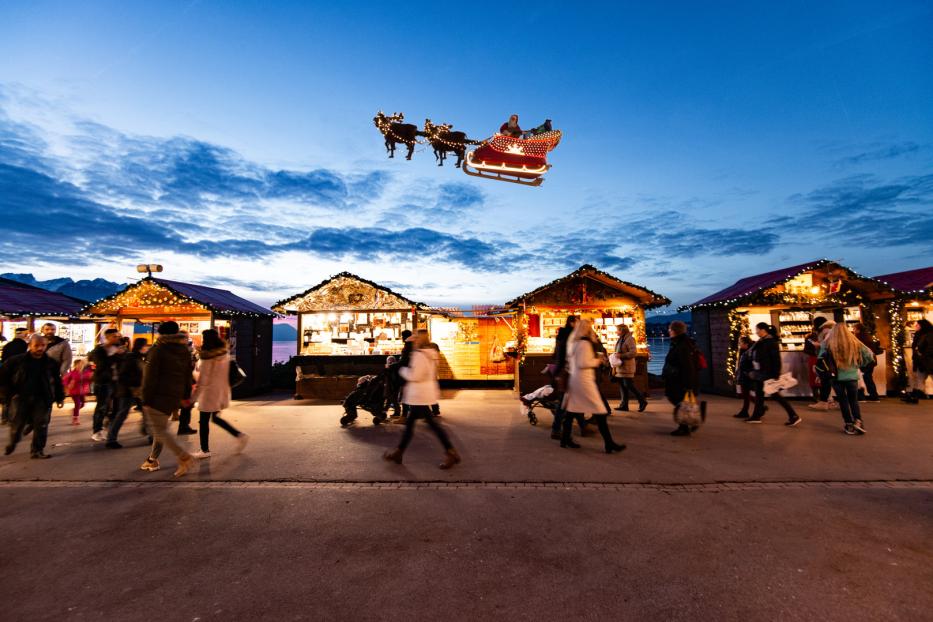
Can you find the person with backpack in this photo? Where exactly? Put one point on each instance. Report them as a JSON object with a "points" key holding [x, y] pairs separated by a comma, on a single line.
{"points": [[844, 355], [212, 391], [766, 365], [681, 371]]}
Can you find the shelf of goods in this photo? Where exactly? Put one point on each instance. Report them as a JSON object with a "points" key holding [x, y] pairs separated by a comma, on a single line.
{"points": [[352, 333], [794, 326]]}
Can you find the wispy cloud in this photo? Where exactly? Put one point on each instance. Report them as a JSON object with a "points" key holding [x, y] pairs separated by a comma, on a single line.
{"points": [[877, 152]]}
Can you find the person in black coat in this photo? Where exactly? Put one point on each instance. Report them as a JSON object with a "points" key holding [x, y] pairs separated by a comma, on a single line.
{"points": [[921, 361], [33, 383], [743, 369], [766, 365], [680, 371], [15, 347], [104, 358]]}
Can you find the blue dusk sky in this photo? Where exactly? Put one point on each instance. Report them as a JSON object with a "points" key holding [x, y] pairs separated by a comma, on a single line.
{"points": [[233, 141]]}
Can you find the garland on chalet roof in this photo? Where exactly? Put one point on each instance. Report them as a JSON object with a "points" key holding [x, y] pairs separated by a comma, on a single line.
{"points": [[280, 305], [158, 293], [657, 300]]}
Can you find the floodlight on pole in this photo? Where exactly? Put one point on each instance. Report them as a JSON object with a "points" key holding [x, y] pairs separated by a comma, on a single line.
{"points": [[148, 268]]}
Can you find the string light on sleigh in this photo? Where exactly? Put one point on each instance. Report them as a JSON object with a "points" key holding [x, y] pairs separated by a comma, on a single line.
{"points": [[515, 157]]}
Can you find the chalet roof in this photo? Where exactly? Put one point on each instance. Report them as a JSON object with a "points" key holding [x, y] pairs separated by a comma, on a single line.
{"points": [[288, 305], [220, 301], [747, 287], [647, 298], [911, 281], [19, 299]]}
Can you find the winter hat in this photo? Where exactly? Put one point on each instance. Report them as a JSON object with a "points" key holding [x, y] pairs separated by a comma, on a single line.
{"points": [[168, 328]]}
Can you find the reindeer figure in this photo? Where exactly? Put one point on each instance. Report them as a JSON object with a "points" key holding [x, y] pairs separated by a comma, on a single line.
{"points": [[443, 140], [396, 132]]}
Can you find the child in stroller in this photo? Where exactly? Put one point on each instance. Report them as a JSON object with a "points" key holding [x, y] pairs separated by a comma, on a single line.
{"points": [[550, 398], [375, 394]]}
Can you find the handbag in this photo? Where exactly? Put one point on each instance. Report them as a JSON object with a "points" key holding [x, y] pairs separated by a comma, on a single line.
{"points": [[689, 412], [236, 375]]}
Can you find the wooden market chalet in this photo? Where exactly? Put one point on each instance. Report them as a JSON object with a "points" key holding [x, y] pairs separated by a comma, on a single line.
{"points": [[140, 307], [587, 292], [790, 299]]}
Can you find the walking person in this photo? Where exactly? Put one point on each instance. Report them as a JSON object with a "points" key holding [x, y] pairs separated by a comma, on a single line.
{"points": [[129, 366], [559, 377], [104, 358], [212, 392], [77, 383], [742, 377], [58, 349], [921, 361], [421, 390], [844, 355], [825, 400], [166, 382], [184, 416], [680, 372], [15, 347], [862, 333], [583, 397], [766, 365], [811, 348], [403, 362], [33, 383], [624, 373]]}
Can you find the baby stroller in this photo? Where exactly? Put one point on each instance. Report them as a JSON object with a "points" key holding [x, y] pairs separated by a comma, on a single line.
{"points": [[544, 396], [369, 395]]}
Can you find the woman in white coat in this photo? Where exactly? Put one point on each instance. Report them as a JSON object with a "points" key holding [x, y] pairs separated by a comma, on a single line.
{"points": [[421, 391], [212, 391], [583, 396]]}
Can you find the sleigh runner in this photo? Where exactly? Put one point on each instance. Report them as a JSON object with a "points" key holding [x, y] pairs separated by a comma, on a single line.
{"points": [[518, 160]]}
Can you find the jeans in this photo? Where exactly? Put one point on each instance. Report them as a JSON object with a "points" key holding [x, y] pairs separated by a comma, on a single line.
{"points": [[34, 412], [868, 377], [157, 422], [121, 408], [422, 412], [826, 386], [103, 393], [626, 386], [777, 397], [184, 418], [204, 429], [847, 392]]}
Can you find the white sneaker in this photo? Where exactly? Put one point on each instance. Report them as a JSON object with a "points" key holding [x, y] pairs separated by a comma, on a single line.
{"points": [[200, 455], [819, 406], [242, 440], [99, 436]]}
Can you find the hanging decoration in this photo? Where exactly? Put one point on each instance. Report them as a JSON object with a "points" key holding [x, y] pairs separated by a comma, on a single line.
{"points": [[517, 157]]}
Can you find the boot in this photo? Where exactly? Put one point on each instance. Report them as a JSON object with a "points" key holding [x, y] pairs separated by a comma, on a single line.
{"points": [[393, 456], [450, 459], [614, 447]]}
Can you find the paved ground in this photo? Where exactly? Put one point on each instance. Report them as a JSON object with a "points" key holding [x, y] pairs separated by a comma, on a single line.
{"points": [[739, 522]]}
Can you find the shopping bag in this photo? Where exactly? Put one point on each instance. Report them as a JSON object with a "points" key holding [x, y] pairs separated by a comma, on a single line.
{"points": [[786, 381], [236, 374], [689, 412]]}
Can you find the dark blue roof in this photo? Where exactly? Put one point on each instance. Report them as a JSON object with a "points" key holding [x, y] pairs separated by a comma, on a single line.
{"points": [[21, 299], [217, 300]]}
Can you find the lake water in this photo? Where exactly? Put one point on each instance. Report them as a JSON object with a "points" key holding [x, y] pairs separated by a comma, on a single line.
{"points": [[283, 350]]}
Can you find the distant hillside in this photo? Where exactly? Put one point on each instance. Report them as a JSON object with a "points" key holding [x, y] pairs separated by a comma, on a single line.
{"points": [[284, 332], [88, 290], [668, 318]]}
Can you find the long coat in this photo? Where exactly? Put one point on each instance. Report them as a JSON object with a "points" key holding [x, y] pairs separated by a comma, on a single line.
{"points": [[421, 388], [167, 376], [212, 392], [583, 394], [626, 349]]}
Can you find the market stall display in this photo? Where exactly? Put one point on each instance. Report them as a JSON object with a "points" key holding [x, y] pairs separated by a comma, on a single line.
{"points": [[790, 299], [29, 307], [587, 292], [914, 302]]}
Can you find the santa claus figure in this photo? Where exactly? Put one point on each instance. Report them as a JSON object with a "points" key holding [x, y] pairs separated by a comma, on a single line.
{"points": [[511, 127]]}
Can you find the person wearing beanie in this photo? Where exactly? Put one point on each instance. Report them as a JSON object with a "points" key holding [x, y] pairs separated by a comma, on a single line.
{"points": [[766, 365], [166, 382]]}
